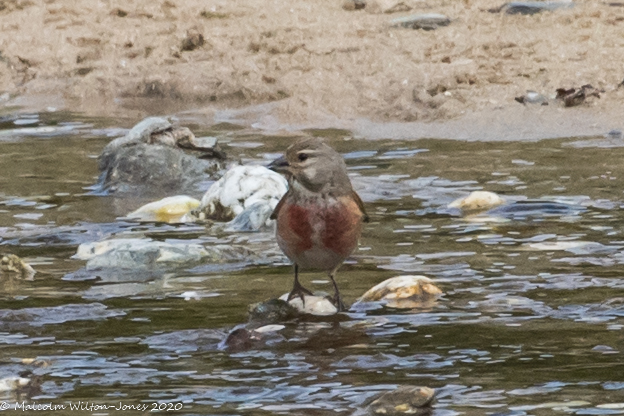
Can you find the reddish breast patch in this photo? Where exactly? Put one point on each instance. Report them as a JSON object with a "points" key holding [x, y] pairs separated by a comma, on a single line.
{"points": [[299, 224], [342, 228]]}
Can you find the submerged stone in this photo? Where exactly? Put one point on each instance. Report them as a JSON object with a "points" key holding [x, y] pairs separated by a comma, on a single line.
{"points": [[146, 254], [405, 400], [428, 21], [243, 339], [537, 208], [403, 292]]}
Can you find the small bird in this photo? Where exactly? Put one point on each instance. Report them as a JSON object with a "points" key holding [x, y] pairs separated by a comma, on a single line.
{"points": [[319, 219]]}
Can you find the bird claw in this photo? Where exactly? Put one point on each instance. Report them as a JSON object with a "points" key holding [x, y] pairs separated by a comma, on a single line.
{"points": [[300, 291]]}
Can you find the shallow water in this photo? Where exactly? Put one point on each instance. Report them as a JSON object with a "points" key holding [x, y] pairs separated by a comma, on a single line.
{"points": [[530, 323]]}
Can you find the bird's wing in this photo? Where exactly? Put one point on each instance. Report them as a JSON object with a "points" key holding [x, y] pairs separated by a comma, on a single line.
{"points": [[359, 203], [276, 211]]}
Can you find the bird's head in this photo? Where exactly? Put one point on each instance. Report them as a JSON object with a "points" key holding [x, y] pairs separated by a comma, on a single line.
{"points": [[311, 163]]}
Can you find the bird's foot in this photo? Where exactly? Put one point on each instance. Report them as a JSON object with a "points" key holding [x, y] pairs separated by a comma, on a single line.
{"points": [[300, 291]]}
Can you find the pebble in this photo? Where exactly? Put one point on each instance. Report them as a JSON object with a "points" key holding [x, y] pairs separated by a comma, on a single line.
{"points": [[208, 145], [142, 131], [243, 339], [533, 7], [477, 201], [405, 400], [353, 4], [271, 311], [387, 6], [12, 263], [573, 97], [193, 40], [428, 21], [269, 328], [403, 292], [173, 209], [532, 97]]}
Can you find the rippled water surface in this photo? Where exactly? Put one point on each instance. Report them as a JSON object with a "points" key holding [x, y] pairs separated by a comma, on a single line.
{"points": [[530, 323]]}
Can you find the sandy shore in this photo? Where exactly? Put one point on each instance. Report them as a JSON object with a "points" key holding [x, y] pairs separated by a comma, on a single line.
{"points": [[301, 63]]}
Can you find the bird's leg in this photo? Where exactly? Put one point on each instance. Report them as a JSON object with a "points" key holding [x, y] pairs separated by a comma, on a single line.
{"points": [[337, 300], [297, 289]]}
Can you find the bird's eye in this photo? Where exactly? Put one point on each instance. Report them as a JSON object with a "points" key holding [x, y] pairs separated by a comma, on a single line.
{"points": [[302, 157]]}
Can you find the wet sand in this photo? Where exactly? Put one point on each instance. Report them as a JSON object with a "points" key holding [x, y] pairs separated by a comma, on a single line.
{"points": [[289, 65]]}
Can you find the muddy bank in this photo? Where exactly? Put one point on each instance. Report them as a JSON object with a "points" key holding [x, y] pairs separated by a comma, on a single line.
{"points": [[301, 64]]}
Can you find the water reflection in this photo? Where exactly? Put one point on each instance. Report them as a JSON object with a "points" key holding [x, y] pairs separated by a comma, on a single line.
{"points": [[529, 324]]}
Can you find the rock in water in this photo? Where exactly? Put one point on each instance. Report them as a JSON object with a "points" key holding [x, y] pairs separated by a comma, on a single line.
{"points": [[243, 339], [154, 170], [403, 292], [428, 21], [254, 188], [140, 133], [477, 201], [149, 160], [405, 400], [253, 218], [314, 305], [208, 145], [172, 209], [12, 263], [271, 311], [146, 254]]}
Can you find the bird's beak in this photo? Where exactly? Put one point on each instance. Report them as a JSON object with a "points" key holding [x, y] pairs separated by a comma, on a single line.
{"points": [[279, 165]]}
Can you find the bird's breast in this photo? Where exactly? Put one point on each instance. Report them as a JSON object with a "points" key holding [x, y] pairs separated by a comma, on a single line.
{"points": [[330, 224]]}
